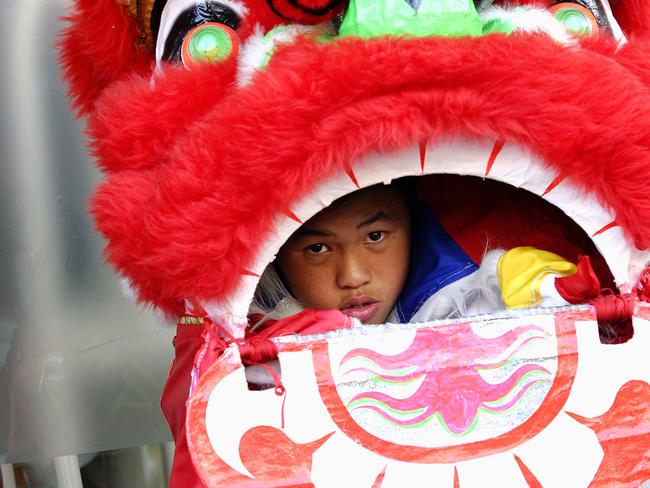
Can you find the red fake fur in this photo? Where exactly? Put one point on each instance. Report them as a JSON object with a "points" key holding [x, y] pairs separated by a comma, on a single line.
{"points": [[636, 58], [97, 48], [193, 225], [136, 124]]}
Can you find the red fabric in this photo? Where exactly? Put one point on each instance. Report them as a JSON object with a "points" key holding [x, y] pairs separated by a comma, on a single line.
{"points": [[507, 217], [581, 286], [614, 308], [187, 342], [307, 322], [254, 350]]}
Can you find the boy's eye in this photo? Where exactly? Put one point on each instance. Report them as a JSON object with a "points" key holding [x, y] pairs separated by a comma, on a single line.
{"points": [[376, 236], [318, 248]]}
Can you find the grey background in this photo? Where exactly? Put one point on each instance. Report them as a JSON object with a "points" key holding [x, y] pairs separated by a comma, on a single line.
{"points": [[81, 366]]}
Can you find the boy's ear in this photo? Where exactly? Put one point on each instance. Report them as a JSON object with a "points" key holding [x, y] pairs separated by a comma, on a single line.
{"points": [[101, 44]]}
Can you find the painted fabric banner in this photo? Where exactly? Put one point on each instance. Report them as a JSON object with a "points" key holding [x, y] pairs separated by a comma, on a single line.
{"points": [[531, 400]]}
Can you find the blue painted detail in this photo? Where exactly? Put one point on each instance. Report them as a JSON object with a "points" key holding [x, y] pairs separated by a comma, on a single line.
{"points": [[436, 261]]}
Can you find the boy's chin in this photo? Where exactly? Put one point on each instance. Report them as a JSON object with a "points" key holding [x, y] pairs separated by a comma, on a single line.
{"points": [[381, 317]]}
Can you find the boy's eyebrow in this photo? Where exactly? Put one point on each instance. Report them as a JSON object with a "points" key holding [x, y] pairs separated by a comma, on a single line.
{"points": [[307, 231], [381, 215]]}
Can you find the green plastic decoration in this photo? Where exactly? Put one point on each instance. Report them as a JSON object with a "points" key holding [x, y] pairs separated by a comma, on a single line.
{"points": [[502, 26], [449, 18]]}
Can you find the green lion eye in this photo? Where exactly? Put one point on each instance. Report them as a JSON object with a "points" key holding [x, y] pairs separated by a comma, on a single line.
{"points": [[209, 42], [575, 18]]}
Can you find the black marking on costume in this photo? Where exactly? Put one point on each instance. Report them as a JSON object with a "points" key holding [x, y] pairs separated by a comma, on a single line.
{"points": [[276, 11], [190, 18], [337, 21], [415, 4], [317, 12], [156, 15]]}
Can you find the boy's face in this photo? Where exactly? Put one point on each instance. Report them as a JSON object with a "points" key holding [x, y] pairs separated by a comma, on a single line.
{"points": [[352, 256]]}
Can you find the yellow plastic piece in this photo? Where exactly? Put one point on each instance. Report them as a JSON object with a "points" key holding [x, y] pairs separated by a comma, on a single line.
{"points": [[521, 271]]}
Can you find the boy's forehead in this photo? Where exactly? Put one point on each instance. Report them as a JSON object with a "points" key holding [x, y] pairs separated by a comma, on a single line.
{"points": [[363, 203]]}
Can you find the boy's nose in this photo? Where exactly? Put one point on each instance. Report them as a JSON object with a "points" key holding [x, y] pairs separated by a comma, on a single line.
{"points": [[353, 271]]}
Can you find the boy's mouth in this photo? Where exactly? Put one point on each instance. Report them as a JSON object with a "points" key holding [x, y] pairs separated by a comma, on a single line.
{"points": [[362, 307]]}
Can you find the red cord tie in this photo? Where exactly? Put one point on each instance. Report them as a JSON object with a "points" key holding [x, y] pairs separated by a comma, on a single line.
{"points": [[584, 286], [254, 350], [643, 288], [257, 350], [614, 308]]}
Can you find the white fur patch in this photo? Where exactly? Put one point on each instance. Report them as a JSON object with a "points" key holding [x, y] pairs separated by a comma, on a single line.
{"points": [[251, 56], [258, 48], [475, 294], [529, 19]]}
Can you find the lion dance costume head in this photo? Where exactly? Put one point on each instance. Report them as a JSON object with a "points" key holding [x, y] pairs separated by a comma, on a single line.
{"points": [[221, 125]]}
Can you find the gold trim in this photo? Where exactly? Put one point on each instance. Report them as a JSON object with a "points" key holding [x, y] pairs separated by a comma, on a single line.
{"points": [[140, 10], [130, 5], [144, 21]]}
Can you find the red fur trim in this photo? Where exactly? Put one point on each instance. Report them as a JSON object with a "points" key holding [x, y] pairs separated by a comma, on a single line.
{"points": [[191, 226], [120, 202], [635, 56], [97, 48], [631, 55], [139, 119]]}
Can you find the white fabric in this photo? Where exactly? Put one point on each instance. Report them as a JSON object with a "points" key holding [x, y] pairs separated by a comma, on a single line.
{"points": [[475, 294]]}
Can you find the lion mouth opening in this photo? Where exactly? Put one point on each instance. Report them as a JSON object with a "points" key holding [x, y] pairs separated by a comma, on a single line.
{"points": [[473, 188]]}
